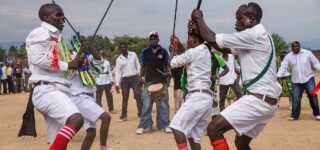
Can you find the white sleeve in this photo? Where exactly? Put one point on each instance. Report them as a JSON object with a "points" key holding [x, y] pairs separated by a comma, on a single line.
{"points": [[236, 40], [109, 70], [38, 44], [182, 59], [283, 70], [118, 73], [314, 61], [138, 66], [95, 61]]}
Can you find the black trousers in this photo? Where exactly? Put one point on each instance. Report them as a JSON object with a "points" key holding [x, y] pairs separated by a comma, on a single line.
{"points": [[5, 86], [106, 88], [223, 92], [126, 84]]}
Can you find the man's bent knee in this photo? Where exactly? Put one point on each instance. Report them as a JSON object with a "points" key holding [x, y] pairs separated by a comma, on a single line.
{"points": [[105, 117], [75, 120], [218, 126]]}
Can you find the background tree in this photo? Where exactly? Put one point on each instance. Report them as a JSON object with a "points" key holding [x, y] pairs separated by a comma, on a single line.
{"points": [[280, 44], [102, 43], [135, 44], [12, 54], [22, 52], [3, 54]]}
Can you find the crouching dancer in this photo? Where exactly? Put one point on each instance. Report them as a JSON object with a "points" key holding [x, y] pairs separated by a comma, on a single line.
{"points": [[82, 96], [49, 62], [192, 118]]}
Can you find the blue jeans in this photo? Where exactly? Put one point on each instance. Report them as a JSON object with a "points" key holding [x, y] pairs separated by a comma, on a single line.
{"points": [[163, 112], [297, 90]]}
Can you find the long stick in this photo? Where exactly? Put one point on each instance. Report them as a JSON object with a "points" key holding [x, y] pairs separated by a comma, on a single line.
{"points": [[100, 24], [67, 21], [199, 4], [175, 17]]}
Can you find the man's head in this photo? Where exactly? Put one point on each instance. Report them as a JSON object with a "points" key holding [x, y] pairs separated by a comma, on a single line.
{"points": [[154, 39], [194, 40], [123, 47], [295, 47], [248, 15], [52, 14]]}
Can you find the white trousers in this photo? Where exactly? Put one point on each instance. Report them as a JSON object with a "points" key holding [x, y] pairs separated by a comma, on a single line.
{"points": [[54, 102]]}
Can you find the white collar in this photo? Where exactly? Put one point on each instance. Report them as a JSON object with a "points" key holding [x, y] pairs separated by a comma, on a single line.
{"points": [[129, 53], [49, 26]]}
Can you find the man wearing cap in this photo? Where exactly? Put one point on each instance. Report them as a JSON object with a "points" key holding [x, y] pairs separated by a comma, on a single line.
{"points": [[155, 69]]}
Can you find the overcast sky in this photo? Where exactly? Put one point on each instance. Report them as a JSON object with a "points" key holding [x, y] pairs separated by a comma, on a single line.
{"points": [[291, 19]]}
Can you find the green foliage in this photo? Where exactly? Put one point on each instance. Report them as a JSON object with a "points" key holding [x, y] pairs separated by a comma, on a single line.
{"points": [[22, 53], [135, 44], [109, 47], [2, 54], [102, 43], [12, 52], [280, 44]]}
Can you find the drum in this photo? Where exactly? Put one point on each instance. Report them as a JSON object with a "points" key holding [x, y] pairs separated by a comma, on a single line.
{"points": [[156, 91]]}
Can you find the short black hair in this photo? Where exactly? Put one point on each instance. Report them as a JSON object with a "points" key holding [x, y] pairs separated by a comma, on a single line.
{"points": [[255, 10], [44, 10], [295, 42], [123, 43]]}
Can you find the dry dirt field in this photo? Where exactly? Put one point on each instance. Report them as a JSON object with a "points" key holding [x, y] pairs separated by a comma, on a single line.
{"points": [[280, 134]]}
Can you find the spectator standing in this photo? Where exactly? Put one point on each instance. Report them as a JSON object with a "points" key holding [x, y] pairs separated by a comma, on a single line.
{"points": [[179, 91], [18, 71], [104, 83], [27, 74], [4, 78], [126, 75], [9, 72], [229, 80], [301, 62], [155, 68]]}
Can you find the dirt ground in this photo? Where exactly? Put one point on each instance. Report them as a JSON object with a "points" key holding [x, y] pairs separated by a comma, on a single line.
{"points": [[280, 134]]}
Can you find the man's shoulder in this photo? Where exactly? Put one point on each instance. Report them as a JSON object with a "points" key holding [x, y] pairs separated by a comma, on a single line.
{"points": [[38, 32], [144, 50]]}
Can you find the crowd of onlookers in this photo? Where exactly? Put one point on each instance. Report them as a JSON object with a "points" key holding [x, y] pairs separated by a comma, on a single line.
{"points": [[14, 78]]}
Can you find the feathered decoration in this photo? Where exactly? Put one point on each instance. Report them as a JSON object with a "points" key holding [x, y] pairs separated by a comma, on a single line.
{"points": [[88, 71], [53, 54], [58, 51]]}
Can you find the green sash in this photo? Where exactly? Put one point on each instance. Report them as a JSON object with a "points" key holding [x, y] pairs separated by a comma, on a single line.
{"points": [[265, 69]]}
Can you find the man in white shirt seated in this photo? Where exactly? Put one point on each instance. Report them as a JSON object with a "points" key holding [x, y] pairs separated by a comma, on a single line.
{"points": [[301, 63]]}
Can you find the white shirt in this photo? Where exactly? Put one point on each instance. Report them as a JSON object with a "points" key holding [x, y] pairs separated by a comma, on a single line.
{"points": [[26, 70], [254, 49], [77, 86], [4, 75], [37, 45], [106, 76], [198, 62], [301, 66], [231, 76], [126, 67]]}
